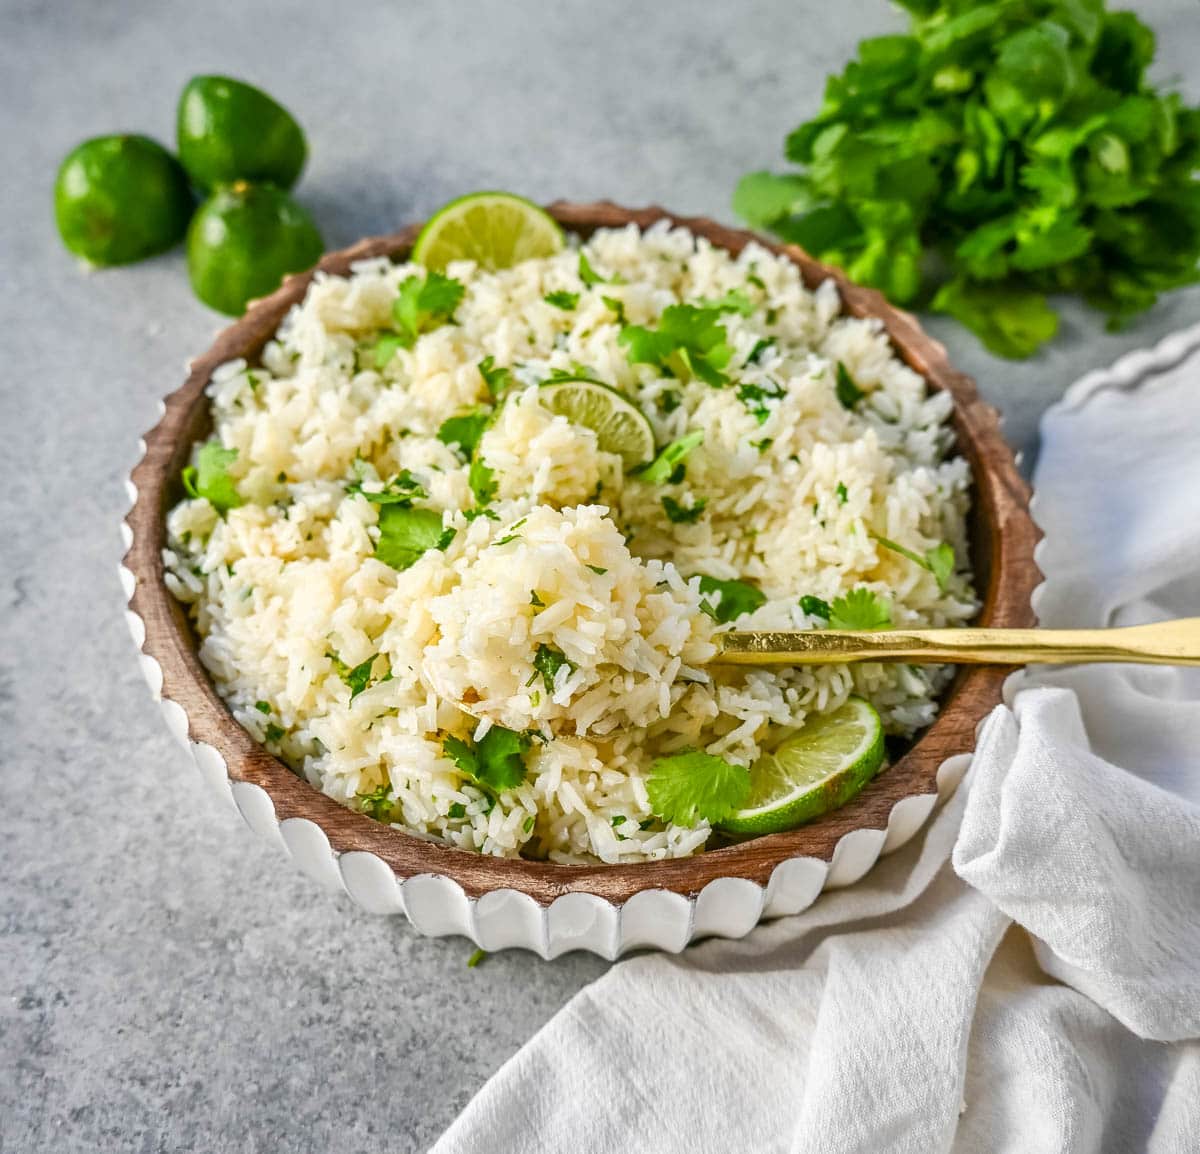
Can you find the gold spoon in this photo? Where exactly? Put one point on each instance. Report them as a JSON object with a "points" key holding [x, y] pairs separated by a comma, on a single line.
{"points": [[1162, 643]]}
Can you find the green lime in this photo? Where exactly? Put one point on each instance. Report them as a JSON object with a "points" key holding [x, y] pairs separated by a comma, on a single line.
{"points": [[620, 426], [820, 768], [228, 131], [494, 229], [121, 198], [243, 240]]}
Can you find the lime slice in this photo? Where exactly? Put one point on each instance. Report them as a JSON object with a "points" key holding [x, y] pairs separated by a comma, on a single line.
{"points": [[620, 426], [494, 229], [819, 769]]}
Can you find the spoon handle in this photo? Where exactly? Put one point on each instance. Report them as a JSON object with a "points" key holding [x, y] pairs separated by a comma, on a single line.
{"points": [[1162, 643]]}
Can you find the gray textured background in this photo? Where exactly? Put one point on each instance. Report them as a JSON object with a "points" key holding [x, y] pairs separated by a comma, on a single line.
{"points": [[167, 983]]}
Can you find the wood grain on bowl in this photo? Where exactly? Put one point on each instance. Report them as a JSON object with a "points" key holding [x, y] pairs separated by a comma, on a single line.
{"points": [[1003, 536]]}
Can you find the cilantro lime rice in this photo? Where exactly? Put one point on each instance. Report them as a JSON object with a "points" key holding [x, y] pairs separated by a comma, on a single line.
{"points": [[452, 608]]}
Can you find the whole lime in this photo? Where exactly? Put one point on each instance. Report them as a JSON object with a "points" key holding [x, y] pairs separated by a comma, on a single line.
{"points": [[121, 198], [243, 240], [228, 130]]}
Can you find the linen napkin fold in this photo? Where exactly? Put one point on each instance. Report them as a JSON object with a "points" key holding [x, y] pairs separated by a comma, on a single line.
{"points": [[1024, 977]]}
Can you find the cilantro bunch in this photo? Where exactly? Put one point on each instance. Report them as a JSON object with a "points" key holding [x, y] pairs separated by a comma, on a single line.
{"points": [[997, 153]]}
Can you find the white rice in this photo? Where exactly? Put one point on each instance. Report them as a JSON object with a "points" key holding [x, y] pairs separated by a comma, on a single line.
{"points": [[796, 495]]}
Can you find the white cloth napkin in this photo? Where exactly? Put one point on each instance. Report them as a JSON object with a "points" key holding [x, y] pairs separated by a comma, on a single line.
{"points": [[1026, 976]]}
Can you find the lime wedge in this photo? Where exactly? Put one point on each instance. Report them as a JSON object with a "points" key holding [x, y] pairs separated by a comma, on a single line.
{"points": [[620, 426], [820, 768], [494, 229]]}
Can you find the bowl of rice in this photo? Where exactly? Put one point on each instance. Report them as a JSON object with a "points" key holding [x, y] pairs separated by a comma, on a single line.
{"points": [[430, 627]]}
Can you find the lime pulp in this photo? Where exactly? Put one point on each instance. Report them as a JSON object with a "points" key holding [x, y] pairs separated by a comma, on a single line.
{"points": [[620, 426], [495, 229]]}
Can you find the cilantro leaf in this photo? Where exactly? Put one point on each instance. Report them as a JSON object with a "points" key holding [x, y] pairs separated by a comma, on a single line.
{"points": [[359, 678], [209, 477], [382, 350], [425, 304], [815, 607], [732, 599], [734, 301], [848, 392], [860, 609], [617, 306], [663, 466], [482, 479], [402, 489], [1010, 321], [498, 380], [495, 762], [754, 397], [692, 785], [598, 570], [591, 277], [547, 661], [406, 534], [843, 494], [679, 514], [379, 803], [274, 733], [689, 342], [465, 430], [561, 299], [939, 560]]}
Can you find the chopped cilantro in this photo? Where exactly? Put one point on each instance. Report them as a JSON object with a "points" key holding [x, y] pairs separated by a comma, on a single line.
{"points": [[692, 786], [860, 609], [465, 430], [490, 514], [386, 347], [527, 824], [670, 400], [659, 471], [756, 353], [512, 533], [734, 301], [402, 489], [535, 600], [482, 479], [379, 803], [843, 494], [733, 598], [619, 819], [754, 397], [274, 732], [679, 514], [547, 661], [598, 570], [359, 678], [814, 606], [591, 277], [425, 304], [263, 706], [498, 380], [406, 534], [848, 392], [763, 445], [476, 958], [939, 560], [209, 477], [457, 810], [561, 299], [495, 762], [617, 306], [689, 342]]}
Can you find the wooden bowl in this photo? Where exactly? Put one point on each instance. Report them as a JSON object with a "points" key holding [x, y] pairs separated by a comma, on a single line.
{"points": [[511, 901]]}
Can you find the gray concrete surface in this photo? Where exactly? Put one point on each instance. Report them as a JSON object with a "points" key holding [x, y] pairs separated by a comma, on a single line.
{"points": [[167, 983]]}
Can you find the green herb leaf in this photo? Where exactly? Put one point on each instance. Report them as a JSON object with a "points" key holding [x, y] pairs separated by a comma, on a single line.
{"points": [[734, 301], [379, 803], [617, 307], [848, 392], [663, 466], [425, 304], [274, 733], [692, 786], [406, 534], [860, 609], [726, 601], [209, 477], [939, 560], [402, 489], [843, 494], [457, 810], [689, 342], [598, 570], [482, 480], [263, 706], [815, 607], [679, 514], [498, 380], [465, 430], [547, 661], [561, 299], [590, 276]]}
